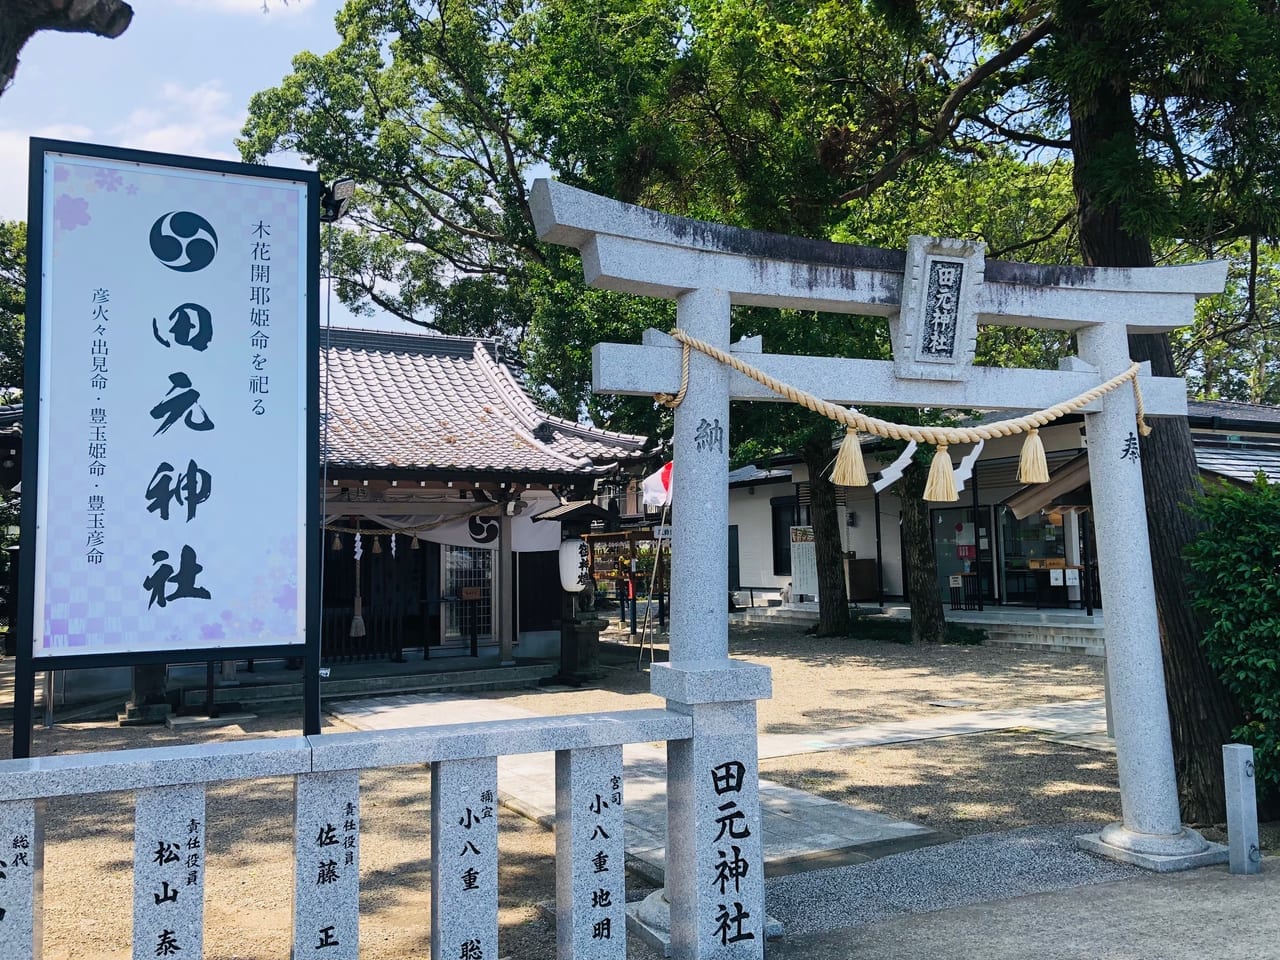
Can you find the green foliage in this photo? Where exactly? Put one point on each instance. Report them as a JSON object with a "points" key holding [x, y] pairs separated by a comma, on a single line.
{"points": [[881, 629], [591, 88], [10, 517], [747, 113], [1200, 160], [1235, 584], [1233, 350], [410, 103], [1021, 210], [13, 300], [744, 112], [418, 102]]}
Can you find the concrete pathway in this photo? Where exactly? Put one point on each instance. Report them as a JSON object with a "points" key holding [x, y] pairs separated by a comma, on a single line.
{"points": [[801, 830], [798, 827], [1074, 717]]}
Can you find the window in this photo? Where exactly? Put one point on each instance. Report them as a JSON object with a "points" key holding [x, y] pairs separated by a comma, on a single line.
{"points": [[784, 518]]}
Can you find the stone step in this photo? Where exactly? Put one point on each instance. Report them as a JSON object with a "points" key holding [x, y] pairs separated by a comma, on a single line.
{"points": [[1034, 630], [993, 615], [496, 678], [1064, 641], [775, 615], [1029, 618]]}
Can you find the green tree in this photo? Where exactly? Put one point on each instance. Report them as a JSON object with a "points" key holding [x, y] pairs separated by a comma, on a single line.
{"points": [[411, 104], [1233, 351], [13, 300], [733, 112], [1167, 112], [1236, 585], [414, 103]]}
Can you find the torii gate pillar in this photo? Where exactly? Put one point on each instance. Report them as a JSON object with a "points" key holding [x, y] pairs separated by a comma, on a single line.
{"points": [[935, 295]]}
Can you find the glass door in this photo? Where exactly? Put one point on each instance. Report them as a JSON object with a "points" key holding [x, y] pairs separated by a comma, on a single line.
{"points": [[965, 549], [468, 594]]}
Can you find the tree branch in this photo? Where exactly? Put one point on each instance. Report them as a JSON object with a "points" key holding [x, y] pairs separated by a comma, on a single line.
{"points": [[1022, 136], [20, 20], [1061, 222], [944, 122]]}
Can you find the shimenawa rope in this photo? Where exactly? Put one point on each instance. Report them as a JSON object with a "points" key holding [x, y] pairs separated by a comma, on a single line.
{"points": [[851, 471]]}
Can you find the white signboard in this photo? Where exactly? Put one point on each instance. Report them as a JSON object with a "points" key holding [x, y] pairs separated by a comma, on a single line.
{"points": [[804, 563], [173, 467]]}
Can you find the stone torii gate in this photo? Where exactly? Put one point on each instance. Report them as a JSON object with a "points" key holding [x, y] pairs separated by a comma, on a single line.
{"points": [[935, 294]]}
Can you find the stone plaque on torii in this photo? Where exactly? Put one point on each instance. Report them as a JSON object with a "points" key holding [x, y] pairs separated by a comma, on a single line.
{"points": [[935, 295]]}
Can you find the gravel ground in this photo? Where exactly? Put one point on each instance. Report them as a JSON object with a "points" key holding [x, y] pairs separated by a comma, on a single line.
{"points": [[822, 682], [964, 785], [973, 870]]}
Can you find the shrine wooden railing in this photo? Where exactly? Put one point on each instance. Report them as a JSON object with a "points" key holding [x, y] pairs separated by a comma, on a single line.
{"points": [[383, 638], [170, 840]]}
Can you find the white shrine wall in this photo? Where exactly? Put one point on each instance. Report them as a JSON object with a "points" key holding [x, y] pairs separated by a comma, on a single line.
{"points": [[753, 515], [861, 539]]}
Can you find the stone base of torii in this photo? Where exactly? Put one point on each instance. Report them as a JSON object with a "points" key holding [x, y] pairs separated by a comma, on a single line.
{"points": [[935, 294]]}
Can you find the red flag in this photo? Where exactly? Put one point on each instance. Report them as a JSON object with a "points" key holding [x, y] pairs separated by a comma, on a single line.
{"points": [[656, 488]]}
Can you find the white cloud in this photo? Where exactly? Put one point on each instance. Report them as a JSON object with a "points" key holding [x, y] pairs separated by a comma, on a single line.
{"points": [[13, 160], [197, 121]]}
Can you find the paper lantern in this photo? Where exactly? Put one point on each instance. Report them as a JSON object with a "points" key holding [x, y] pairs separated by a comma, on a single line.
{"points": [[574, 566]]}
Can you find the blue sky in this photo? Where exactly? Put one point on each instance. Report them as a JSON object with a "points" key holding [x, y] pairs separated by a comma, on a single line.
{"points": [[179, 80]]}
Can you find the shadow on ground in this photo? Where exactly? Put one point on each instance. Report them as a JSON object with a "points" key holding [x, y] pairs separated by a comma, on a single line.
{"points": [[963, 785]]}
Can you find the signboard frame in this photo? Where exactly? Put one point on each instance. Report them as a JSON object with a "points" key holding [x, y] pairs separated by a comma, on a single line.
{"points": [[309, 577]]}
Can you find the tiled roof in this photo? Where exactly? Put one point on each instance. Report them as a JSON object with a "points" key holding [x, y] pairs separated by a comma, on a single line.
{"points": [[402, 401], [753, 474], [1231, 410], [1238, 461], [576, 509]]}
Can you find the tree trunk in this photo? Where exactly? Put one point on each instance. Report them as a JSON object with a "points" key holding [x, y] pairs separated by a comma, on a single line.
{"points": [[20, 20], [928, 624], [833, 598], [1201, 711]]}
